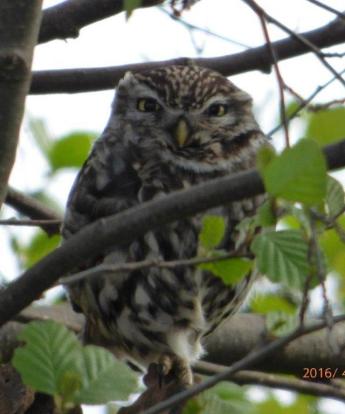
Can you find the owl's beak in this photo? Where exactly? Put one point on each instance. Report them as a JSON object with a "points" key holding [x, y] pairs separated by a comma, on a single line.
{"points": [[181, 132]]}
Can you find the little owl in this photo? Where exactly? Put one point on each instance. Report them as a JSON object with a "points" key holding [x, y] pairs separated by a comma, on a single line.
{"points": [[170, 128]]}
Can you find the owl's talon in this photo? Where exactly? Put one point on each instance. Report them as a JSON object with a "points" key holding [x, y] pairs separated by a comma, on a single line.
{"points": [[174, 368]]}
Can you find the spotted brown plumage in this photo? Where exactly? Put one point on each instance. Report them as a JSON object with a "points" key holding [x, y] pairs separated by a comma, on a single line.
{"points": [[170, 128]]}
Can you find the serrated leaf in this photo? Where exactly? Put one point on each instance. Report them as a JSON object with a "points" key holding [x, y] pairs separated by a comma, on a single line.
{"points": [[327, 126], [70, 151], [270, 302], [212, 232], [231, 271], [104, 378], [298, 174], [282, 256], [48, 354], [130, 5], [335, 201], [265, 216]]}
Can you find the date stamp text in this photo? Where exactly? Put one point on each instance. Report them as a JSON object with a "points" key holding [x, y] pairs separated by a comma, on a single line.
{"points": [[322, 373]]}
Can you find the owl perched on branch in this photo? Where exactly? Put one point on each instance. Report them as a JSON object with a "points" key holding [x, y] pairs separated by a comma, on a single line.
{"points": [[170, 128]]}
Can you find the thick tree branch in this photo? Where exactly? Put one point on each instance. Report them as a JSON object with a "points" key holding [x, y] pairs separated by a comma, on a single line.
{"points": [[257, 355], [234, 339], [66, 19], [122, 228], [259, 58], [19, 23]]}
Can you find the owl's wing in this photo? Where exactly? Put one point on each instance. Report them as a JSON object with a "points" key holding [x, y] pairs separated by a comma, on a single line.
{"points": [[106, 184]]}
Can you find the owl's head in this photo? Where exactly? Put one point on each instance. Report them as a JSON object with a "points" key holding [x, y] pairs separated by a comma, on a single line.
{"points": [[192, 112]]}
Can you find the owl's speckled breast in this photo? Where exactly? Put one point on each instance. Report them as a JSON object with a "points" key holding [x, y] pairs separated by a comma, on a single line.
{"points": [[169, 129]]}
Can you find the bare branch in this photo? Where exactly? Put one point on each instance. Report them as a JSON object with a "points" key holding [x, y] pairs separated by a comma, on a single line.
{"points": [[249, 360], [66, 19], [30, 223], [281, 83], [34, 209], [328, 8], [260, 58], [300, 37], [190, 26], [19, 23], [306, 102], [274, 381], [131, 266], [124, 227], [249, 331]]}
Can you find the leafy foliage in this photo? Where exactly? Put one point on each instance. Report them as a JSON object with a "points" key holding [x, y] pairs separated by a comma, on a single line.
{"points": [[231, 270], [326, 126], [53, 361], [335, 200], [224, 398], [212, 232], [298, 174], [70, 151], [282, 256]]}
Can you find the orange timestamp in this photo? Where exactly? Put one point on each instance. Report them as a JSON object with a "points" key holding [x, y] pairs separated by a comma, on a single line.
{"points": [[313, 373]]}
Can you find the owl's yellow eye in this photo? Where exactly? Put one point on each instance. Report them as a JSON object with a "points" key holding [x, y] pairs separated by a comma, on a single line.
{"points": [[148, 105], [217, 109]]}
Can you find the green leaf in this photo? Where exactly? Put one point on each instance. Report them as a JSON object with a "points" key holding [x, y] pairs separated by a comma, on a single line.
{"points": [[282, 256], [104, 378], [70, 151], [130, 5], [270, 302], [48, 354], [335, 201], [327, 126], [334, 249], [291, 108], [264, 156], [226, 398], [298, 174], [231, 271], [54, 362], [265, 216], [212, 232]]}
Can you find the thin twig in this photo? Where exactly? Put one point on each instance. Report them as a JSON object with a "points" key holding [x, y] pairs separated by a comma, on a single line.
{"points": [[306, 102], [130, 267], [310, 45], [281, 83], [328, 8], [34, 209], [33, 223], [274, 381], [191, 26], [251, 359], [318, 261]]}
